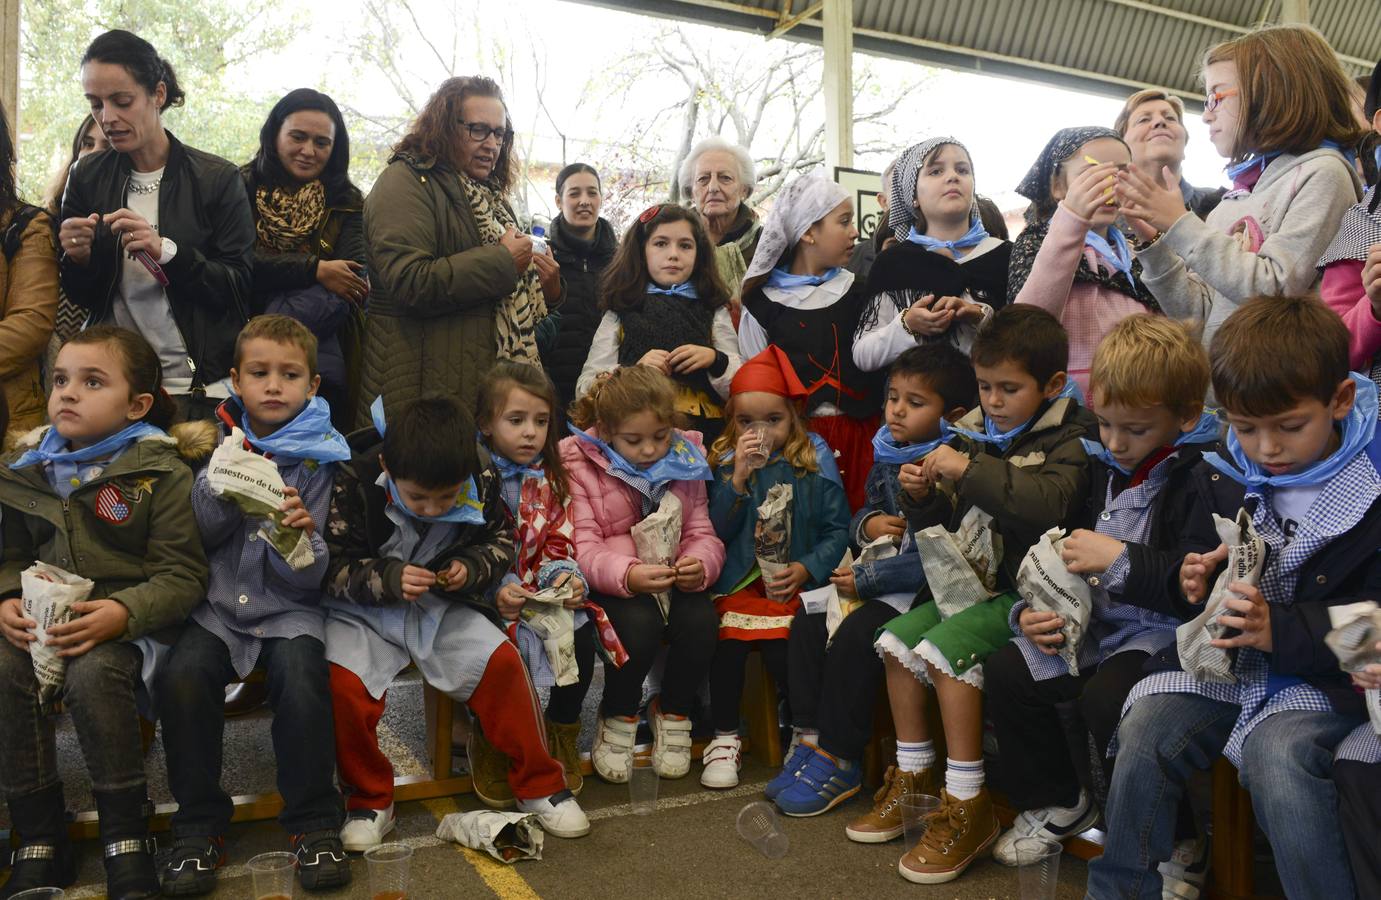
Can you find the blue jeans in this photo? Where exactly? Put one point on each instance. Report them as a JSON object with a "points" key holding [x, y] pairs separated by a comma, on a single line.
{"points": [[1286, 762]]}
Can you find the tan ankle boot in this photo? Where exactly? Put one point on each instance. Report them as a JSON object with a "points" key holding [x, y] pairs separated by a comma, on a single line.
{"points": [[564, 743], [960, 831], [884, 821], [489, 771]]}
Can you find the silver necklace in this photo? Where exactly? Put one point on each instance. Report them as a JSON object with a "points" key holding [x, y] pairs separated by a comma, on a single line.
{"points": [[137, 188]]}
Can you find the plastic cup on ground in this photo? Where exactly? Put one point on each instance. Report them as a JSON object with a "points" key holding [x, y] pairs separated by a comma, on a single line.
{"points": [[272, 875], [758, 825], [758, 458], [388, 871], [642, 787], [40, 893], [915, 810], [1038, 867]]}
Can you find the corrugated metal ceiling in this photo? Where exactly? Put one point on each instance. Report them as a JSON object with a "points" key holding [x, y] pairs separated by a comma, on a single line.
{"points": [[1109, 46]]}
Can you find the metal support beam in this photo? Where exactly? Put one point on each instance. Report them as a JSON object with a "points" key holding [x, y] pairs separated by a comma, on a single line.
{"points": [[787, 21], [9, 63], [838, 22], [1294, 12]]}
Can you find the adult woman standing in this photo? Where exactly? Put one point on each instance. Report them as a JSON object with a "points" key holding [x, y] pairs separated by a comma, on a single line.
{"points": [[156, 236], [28, 294], [583, 243], [455, 286], [309, 229], [717, 177]]}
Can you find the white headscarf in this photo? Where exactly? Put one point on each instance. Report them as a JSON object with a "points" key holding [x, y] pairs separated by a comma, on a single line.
{"points": [[798, 206]]}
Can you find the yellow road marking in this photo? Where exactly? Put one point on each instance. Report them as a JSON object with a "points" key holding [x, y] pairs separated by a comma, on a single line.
{"points": [[503, 880]]}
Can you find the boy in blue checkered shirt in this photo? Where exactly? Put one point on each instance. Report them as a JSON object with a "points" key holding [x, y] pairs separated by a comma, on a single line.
{"points": [[1301, 461]]}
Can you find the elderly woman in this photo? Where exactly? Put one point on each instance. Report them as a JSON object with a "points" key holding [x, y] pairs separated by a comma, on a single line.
{"points": [[455, 286], [1152, 124], [717, 177]]}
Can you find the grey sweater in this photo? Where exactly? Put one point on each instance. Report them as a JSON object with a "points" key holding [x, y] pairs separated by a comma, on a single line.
{"points": [[1201, 270]]}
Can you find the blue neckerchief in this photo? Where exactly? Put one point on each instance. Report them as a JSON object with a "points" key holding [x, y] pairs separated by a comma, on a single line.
{"points": [[1118, 254], [1205, 431], [1003, 439], [1376, 155], [469, 508], [972, 238], [1359, 428], [1347, 152], [887, 450], [509, 469], [781, 278], [685, 289], [682, 462], [53, 447], [1238, 170], [309, 435]]}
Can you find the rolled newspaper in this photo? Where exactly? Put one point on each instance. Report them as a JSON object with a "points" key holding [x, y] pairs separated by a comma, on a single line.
{"points": [[772, 533], [48, 595], [254, 484], [960, 566], [656, 540], [1045, 584], [1246, 555], [1354, 640]]}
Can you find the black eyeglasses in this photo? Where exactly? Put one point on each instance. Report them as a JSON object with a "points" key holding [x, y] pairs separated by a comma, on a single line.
{"points": [[480, 132]]}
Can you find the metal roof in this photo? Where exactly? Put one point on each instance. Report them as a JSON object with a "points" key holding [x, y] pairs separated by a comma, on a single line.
{"points": [[1106, 46]]}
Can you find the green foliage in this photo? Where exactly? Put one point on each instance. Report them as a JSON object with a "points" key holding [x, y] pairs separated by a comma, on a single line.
{"points": [[209, 44]]}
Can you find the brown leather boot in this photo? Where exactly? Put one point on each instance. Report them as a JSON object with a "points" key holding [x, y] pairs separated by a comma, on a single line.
{"points": [[489, 771], [960, 831], [564, 743], [884, 821]]}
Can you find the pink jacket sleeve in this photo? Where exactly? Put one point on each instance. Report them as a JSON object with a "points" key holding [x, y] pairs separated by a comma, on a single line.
{"points": [[1052, 274], [605, 568], [1342, 291], [698, 537]]}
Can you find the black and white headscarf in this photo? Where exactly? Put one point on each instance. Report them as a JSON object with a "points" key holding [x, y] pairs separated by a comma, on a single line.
{"points": [[1036, 188], [901, 188]]}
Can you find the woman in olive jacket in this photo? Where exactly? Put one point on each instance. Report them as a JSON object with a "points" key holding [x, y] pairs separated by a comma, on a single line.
{"points": [[157, 236]]}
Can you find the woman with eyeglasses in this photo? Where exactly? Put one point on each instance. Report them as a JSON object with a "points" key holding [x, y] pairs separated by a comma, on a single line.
{"points": [[1279, 109], [455, 285]]}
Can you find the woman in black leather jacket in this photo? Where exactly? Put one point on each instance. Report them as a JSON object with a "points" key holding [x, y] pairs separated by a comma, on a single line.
{"points": [[157, 236]]}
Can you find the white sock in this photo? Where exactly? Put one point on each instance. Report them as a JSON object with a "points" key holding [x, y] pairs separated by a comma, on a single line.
{"points": [[809, 735], [915, 757], [963, 779]]}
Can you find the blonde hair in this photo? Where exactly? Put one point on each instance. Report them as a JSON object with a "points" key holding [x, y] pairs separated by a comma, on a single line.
{"points": [[625, 392], [1149, 361], [1124, 118], [799, 451], [1292, 91]]}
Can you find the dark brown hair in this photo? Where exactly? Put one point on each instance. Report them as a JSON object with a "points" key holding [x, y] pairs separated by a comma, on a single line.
{"points": [[140, 60], [1026, 335], [494, 389], [281, 330], [143, 370], [624, 283], [436, 132], [920, 224], [625, 392], [1246, 353], [1292, 91], [944, 369], [431, 441]]}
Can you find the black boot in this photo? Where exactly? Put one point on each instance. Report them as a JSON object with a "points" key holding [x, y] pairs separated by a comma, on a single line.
{"points": [[44, 857], [125, 842]]}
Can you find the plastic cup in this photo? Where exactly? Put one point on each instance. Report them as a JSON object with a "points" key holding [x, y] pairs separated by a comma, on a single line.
{"points": [[388, 871], [642, 787], [758, 825], [758, 458], [272, 876], [40, 893], [1038, 867], [915, 811]]}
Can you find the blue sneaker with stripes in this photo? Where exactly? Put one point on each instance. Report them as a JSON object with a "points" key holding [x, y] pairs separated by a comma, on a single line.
{"points": [[795, 762], [824, 783]]}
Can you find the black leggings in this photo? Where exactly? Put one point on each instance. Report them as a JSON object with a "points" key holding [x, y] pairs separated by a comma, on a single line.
{"points": [[726, 677], [691, 634], [563, 707]]}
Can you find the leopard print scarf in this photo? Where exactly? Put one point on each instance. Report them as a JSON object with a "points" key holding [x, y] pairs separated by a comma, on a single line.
{"points": [[289, 218], [516, 316]]}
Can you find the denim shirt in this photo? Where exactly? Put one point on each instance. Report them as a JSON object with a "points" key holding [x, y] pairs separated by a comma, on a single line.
{"points": [[900, 574]]}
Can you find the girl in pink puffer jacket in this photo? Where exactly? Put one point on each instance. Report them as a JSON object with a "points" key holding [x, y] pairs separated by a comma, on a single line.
{"points": [[622, 467]]}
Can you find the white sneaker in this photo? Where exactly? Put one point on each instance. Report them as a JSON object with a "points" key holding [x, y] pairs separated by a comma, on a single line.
{"points": [[1055, 823], [366, 828], [671, 743], [1184, 873], [721, 760], [612, 754], [559, 814]]}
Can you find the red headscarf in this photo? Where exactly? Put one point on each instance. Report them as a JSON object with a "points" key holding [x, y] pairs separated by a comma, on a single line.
{"points": [[771, 373]]}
